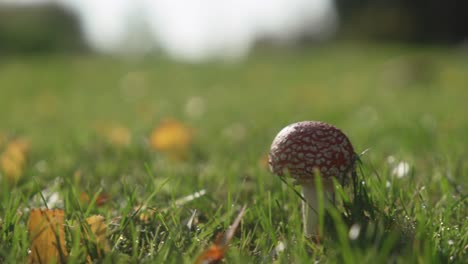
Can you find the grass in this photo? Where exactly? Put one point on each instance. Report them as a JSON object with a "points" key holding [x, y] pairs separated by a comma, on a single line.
{"points": [[406, 105]]}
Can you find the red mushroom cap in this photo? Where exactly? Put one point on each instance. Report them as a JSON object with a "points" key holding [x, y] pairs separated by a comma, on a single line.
{"points": [[304, 147]]}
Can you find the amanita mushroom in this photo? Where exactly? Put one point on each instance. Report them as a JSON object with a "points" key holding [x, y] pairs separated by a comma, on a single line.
{"points": [[306, 149]]}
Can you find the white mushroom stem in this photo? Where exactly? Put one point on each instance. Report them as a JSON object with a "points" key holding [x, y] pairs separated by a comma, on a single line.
{"points": [[310, 208]]}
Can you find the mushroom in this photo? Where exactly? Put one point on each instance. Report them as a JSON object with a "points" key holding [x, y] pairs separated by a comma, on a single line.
{"points": [[307, 149]]}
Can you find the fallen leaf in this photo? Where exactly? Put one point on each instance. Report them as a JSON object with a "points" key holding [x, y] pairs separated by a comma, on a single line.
{"points": [[12, 170], [47, 236], [215, 253], [145, 214], [172, 137], [13, 159], [101, 199], [97, 235]]}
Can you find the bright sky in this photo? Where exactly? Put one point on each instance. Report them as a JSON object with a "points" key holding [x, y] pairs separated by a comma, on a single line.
{"points": [[195, 30]]}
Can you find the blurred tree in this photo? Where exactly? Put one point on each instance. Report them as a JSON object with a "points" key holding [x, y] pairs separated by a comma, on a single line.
{"points": [[38, 28], [407, 20]]}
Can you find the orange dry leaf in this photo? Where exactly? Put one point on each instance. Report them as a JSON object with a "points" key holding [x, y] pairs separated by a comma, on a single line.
{"points": [[18, 145], [97, 235], [10, 168], [172, 137], [101, 199], [215, 253], [145, 214], [13, 159], [47, 236]]}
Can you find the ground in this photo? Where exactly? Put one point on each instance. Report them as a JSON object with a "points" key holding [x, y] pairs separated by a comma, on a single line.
{"points": [[87, 127]]}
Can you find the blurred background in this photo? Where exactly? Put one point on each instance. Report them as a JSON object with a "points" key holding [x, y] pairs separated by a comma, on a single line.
{"points": [[220, 29], [74, 67]]}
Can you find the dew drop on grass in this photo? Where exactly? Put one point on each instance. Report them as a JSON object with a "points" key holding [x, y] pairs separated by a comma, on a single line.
{"points": [[354, 231], [388, 184], [450, 242], [280, 247], [401, 170]]}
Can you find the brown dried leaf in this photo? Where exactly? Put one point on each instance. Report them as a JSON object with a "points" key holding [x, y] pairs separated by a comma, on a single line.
{"points": [[101, 199], [47, 236], [215, 253], [97, 235]]}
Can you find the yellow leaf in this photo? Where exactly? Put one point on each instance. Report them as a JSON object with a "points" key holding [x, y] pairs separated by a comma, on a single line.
{"points": [[16, 152], [12, 170], [119, 136], [98, 235], [172, 137], [13, 158], [47, 236], [20, 145]]}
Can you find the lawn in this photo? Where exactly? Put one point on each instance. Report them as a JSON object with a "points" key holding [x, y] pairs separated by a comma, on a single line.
{"points": [[88, 126]]}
